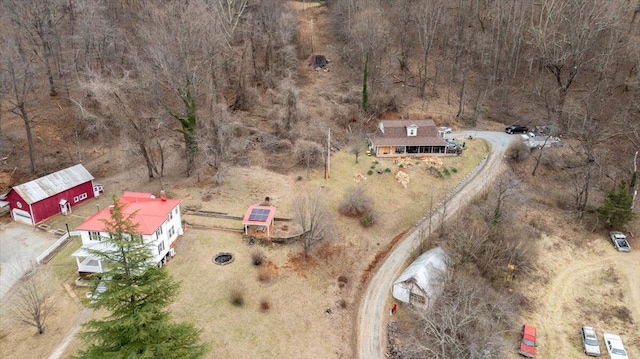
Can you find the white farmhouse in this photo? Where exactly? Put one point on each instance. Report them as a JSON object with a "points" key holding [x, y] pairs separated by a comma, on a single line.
{"points": [[418, 284], [159, 223]]}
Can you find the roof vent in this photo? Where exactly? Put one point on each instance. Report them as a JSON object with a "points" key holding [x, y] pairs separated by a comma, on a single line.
{"points": [[163, 195]]}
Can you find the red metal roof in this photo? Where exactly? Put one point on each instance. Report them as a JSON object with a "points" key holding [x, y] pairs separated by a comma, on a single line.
{"points": [[150, 212], [268, 217]]}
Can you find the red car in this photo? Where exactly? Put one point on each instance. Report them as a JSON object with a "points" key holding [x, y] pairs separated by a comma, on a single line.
{"points": [[527, 341]]}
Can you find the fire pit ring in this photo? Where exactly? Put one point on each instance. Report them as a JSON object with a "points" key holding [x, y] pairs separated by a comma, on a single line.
{"points": [[223, 258]]}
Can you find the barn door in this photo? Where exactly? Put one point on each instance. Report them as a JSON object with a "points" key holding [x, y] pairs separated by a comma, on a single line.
{"points": [[22, 216]]}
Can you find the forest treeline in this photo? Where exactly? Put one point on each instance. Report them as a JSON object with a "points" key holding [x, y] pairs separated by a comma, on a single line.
{"points": [[156, 75]]}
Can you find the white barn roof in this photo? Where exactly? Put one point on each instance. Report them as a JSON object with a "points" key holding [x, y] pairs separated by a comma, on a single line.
{"points": [[424, 268], [49, 185]]}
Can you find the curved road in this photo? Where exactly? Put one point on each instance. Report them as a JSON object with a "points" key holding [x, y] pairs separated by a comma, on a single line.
{"points": [[371, 343]]}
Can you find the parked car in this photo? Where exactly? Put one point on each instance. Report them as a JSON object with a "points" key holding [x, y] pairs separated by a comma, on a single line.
{"points": [[527, 346], [620, 241], [590, 341], [516, 129], [614, 346]]}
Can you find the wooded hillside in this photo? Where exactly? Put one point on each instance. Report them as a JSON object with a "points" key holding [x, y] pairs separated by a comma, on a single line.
{"points": [[194, 87]]}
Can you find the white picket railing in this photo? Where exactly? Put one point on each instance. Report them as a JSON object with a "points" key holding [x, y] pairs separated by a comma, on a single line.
{"points": [[61, 241]]}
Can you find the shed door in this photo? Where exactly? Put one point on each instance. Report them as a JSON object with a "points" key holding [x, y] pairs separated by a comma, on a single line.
{"points": [[22, 216]]}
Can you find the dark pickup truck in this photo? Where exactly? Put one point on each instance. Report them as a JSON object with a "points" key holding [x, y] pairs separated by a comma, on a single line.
{"points": [[516, 129]]}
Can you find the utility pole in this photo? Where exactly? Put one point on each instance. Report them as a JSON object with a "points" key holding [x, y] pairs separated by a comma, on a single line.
{"points": [[327, 173]]}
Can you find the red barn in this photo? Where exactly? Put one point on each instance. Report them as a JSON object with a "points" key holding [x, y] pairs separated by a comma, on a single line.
{"points": [[35, 201]]}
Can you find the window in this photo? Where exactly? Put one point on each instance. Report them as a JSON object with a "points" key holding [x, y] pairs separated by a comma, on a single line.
{"points": [[160, 247], [416, 298], [172, 231], [171, 215], [79, 198], [159, 232], [94, 236]]}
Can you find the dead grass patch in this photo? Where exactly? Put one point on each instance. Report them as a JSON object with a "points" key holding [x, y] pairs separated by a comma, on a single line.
{"points": [[265, 274]]}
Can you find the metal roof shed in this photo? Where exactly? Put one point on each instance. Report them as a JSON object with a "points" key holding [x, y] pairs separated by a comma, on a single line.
{"points": [[418, 283]]}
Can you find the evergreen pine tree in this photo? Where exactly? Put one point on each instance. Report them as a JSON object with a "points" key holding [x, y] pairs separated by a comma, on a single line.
{"points": [[137, 294], [616, 210]]}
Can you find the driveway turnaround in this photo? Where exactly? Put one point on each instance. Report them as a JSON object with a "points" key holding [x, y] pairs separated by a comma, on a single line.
{"points": [[20, 245]]}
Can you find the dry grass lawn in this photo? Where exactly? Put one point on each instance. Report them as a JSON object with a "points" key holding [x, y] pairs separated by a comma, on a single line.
{"points": [[298, 292]]}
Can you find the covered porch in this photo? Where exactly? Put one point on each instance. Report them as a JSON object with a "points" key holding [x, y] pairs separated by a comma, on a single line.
{"points": [[85, 259]]}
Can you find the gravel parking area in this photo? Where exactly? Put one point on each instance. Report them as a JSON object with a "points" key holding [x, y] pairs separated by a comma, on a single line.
{"points": [[20, 244]]}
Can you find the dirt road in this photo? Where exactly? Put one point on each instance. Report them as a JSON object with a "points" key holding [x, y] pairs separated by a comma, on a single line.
{"points": [[588, 288], [371, 341]]}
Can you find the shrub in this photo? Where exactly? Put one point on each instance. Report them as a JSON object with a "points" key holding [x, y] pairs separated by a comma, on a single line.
{"points": [[342, 281], [299, 178], [342, 303], [518, 152], [373, 167], [388, 170], [446, 172], [368, 218], [454, 170], [309, 153], [257, 258], [276, 145], [265, 305], [237, 298], [355, 202], [370, 172]]}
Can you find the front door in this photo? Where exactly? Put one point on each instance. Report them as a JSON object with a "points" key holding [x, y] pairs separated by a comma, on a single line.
{"points": [[65, 207]]}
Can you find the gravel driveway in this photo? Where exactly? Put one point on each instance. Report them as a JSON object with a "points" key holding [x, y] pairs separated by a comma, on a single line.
{"points": [[371, 343], [20, 244]]}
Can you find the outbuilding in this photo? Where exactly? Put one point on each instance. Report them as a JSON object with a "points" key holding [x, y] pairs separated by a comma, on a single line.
{"points": [[58, 192], [419, 283], [260, 217]]}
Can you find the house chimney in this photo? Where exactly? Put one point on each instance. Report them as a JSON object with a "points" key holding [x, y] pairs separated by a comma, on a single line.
{"points": [[111, 207], [163, 195]]}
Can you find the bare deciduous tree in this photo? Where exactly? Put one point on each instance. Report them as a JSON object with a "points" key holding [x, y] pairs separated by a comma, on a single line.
{"points": [[428, 20], [357, 142], [37, 21], [468, 319], [181, 43], [33, 297], [99, 40], [311, 213], [565, 35], [127, 106], [18, 74], [309, 154]]}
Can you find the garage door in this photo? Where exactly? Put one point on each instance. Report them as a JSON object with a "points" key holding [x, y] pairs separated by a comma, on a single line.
{"points": [[22, 216]]}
